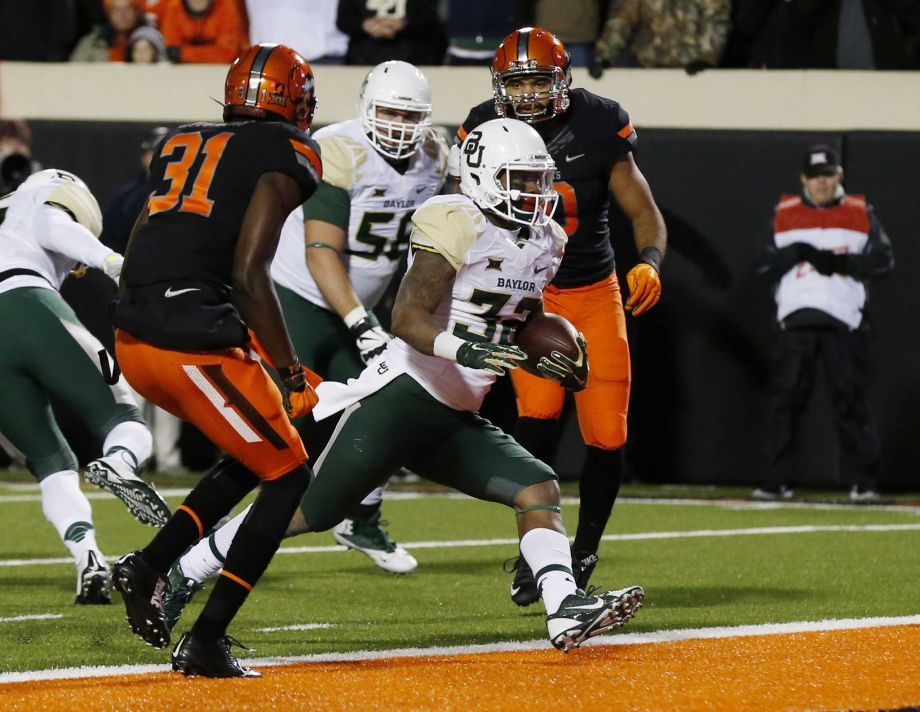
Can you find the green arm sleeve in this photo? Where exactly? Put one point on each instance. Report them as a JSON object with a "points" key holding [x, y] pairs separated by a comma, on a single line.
{"points": [[328, 204]]}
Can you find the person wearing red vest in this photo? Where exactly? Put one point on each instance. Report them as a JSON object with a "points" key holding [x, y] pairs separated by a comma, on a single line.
{"points": [[826, 245]]}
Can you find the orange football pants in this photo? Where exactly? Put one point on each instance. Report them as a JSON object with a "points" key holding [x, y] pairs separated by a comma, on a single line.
{"points": [[226, 394], [596, 310]]}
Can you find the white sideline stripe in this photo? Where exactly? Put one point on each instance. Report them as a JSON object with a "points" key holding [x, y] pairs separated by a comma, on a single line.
{"points": [[634, 537], [298, 626], [732, 504], [641, 536], [219, 402], [35, 617], [664, 636], [174, 492]]}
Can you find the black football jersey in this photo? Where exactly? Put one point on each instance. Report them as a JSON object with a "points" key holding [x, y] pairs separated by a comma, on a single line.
{"points": [[203, 176], [584, 142]]}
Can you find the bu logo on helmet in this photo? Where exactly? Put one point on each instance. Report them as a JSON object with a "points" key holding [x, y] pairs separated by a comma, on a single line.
{"points": [[472, 150]]}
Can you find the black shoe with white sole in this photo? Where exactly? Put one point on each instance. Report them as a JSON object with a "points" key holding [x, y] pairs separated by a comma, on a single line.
{"points": [[209, 658]]}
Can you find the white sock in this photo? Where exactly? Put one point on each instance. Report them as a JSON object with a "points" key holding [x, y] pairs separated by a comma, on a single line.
{"points": [[548, 555], [201, 562], [68, 510], [133, 437], [375, 497]]}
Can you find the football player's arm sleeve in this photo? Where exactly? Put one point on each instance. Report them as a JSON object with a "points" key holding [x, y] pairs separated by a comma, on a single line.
{"points": [[328, 204], [57, 231], [625, 140]]}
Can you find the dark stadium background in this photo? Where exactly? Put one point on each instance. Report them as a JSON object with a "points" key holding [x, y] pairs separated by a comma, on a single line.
{"points": [[700, 357]]}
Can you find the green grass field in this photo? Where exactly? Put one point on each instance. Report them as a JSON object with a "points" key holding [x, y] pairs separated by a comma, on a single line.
{"points": [[459, 594]]}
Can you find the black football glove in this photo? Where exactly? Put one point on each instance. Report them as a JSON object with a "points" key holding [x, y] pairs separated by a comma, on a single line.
{"points": [[491, 357], [370, 338], [571, 375]]}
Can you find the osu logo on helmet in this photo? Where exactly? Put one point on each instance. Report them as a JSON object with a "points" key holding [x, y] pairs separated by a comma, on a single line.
{"points": [[531, 51], [271, 79]]}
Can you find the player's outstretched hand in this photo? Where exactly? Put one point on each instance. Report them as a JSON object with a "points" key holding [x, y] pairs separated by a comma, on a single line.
{"points": [[491, 357], [298, 395], [571, 375], [111, 265], [644, 288]]}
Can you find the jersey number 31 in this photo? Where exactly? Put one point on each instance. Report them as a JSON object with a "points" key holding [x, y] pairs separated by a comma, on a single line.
{"points": [[181, 170]]}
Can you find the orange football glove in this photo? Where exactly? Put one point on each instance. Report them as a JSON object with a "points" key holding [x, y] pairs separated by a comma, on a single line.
{"points": [[644, 288], [297, 394]]}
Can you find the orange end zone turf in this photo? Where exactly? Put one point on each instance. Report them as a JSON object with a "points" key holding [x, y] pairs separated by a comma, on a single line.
{"points": [[871, 668]]}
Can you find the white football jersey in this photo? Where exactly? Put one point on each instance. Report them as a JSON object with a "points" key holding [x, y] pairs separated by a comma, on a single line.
{"points": [[382, 201], [25, 242], [501, 275]]}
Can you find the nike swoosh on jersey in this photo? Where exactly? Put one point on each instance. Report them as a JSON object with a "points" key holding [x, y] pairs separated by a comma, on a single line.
{"points": [[170, 293], [542, 269], [569, 159]]}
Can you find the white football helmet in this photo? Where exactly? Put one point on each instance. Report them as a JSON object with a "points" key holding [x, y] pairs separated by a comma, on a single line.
{"points": [[400, 87], [506, 169], [67, 191]]}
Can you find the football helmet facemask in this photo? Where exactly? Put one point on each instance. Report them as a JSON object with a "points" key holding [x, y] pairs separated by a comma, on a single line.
{"points": [[528, 53], [506, 170], [395, 108], [269, 81]]}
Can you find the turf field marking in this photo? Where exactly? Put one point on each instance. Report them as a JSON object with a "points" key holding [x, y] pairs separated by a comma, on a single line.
{"points": [[299, 626], [664, 636], [33, 617], [734, 504], [10, 498], [691, 534], [640, 536]]}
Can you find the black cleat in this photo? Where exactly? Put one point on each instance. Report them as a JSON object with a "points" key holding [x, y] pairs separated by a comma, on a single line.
{"points": [[524, 586], [142, 590], [213, 658], [583, 563]]}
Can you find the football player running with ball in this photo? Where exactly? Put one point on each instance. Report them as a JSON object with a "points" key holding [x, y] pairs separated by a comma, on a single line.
{"points": [[377, 169], [591, 140], [197, 294], [478, 264]]}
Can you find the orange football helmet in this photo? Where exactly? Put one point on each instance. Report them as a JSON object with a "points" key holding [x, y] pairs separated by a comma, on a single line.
{"points": [[270, 79], [531, 51]]}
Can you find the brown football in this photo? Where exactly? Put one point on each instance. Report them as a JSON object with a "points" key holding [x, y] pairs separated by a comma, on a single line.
{"points": [[542, 335]]}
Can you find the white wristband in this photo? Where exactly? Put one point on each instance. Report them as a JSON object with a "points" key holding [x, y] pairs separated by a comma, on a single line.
{"points": [[446, 345], [354, 316]]}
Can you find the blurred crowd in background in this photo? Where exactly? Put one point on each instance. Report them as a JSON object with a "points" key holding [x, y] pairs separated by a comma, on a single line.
{"points": [[689, 34]]}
